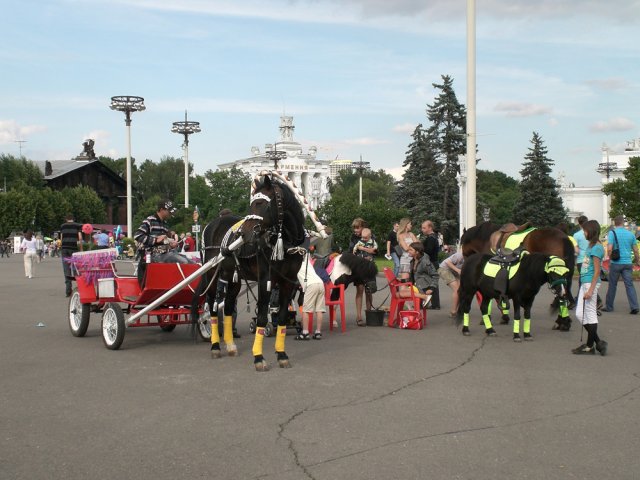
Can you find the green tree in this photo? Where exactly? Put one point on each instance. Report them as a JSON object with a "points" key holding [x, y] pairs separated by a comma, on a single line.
{"points": [[626, 193], [378, 208], [539, 201], [498, 192], [85, 205], [420, 163], [429, 187], [15, 170], [164, 179], [227, 189]]}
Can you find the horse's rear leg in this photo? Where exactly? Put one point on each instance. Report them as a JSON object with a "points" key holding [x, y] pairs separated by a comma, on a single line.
{"points": [[527, 321], [259, 362]]}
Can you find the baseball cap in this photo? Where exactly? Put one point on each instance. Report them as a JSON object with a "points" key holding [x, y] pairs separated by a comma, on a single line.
{"points": [[167, 205]]}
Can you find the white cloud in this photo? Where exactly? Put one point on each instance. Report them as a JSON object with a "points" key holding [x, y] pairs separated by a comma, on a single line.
{"points": [[553, 122], [612, 83], [522, 109], [396, 172], [405, 128], [364, 141], [403, 14], [619, 124], [10, 131]]}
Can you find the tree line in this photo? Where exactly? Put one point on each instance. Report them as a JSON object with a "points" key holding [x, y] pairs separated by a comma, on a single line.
{"points": [[427, 190]]}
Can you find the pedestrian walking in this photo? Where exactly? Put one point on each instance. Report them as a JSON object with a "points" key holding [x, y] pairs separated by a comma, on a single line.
{"points": [[29, 247]]}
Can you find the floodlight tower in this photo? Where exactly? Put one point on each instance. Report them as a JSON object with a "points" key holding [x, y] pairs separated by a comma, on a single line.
{"points": [[186, 128], [361, 167], [128, 104]]}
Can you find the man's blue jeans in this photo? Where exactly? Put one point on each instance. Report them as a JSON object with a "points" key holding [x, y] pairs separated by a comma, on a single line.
{"points": [[624, 271], [396, 263]]}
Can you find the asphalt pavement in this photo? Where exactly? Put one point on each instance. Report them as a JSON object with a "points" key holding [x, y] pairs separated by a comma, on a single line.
{"points": [[372, 403]]}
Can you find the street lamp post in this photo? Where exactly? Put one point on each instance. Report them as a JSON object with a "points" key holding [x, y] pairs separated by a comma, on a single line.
{"points": [[186, 128], [360, 167], [606, 167], [275, 155], [462, 188], [128, 104]]}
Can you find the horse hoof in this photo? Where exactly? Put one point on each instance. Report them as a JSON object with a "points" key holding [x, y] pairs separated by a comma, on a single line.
{"points": [[490, 332], [465, 331], [555, 326], [232, 350], [261, 366], [516, 338], [215, 351], [284, 363], [528, 337]]}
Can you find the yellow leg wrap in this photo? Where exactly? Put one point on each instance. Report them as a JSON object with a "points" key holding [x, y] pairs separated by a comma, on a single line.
{"points": [[215, 335], [257, 341], [280, 336], [487, 321], [564, 310], [465, 320], [227, 324], [489, 308], [527, 325], [516, 326]]}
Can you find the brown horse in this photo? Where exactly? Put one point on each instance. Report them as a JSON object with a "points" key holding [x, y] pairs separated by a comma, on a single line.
{"points": [[547, 240]]}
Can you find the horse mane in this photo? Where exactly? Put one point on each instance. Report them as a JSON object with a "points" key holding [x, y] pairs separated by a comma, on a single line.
{"points": [[293, 222], [293, 231], [482, 232], [360, 268]]}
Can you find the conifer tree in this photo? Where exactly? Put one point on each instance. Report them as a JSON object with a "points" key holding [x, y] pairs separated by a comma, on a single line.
{"points": [[429, 188], [539, 201], [418, 179]]}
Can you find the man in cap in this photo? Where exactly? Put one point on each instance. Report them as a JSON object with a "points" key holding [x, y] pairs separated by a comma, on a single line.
{"points": [[153, 240]]}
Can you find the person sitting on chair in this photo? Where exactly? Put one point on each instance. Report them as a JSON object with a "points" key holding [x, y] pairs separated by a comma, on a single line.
{"points": [[153, 240]]}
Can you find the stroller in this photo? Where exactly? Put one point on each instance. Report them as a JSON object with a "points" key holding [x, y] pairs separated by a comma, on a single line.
{"points": [[292, 321]]}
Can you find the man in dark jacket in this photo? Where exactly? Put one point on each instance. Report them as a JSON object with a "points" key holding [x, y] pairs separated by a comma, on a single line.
{"points": [[431, 248], [71, 241]]}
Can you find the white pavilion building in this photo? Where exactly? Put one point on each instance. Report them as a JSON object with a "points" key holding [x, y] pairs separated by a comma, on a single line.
{"points": [[591, 201], [304, 169]]}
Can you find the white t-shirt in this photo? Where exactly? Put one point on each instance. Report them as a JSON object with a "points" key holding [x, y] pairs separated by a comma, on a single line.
{"points": [[28, 246], [307, 271]]}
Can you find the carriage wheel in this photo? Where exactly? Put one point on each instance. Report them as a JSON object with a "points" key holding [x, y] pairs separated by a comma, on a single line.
{"points": [[78, 315], [204, 323], [113, 326], [252, 326]]}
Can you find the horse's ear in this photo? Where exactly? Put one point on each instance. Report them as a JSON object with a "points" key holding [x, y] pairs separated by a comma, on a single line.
{"points": [[266, 181]]}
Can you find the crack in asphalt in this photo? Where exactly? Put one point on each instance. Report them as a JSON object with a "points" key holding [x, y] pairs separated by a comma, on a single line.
{"points": [[470, 358], [486, 427], [282, 427]]}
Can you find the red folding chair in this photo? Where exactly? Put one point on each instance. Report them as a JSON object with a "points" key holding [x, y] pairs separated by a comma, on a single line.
{"points": [[332, 304], [398, 302]]}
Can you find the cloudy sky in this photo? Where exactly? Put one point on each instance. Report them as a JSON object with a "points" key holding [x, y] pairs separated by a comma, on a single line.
{"points": [[356, 75]]}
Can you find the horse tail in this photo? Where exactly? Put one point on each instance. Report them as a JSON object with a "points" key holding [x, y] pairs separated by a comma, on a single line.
{"points": [[195, 305], [570, 261]]}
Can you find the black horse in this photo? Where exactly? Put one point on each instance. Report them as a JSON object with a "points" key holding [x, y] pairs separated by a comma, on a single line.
{"points": [[534, 269], [271, 254], [551, 241]]}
